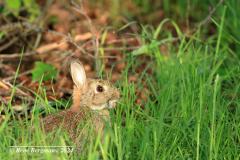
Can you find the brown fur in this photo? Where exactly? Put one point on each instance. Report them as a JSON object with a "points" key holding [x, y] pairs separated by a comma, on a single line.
{"points": [[85, 102], [69, 120]]}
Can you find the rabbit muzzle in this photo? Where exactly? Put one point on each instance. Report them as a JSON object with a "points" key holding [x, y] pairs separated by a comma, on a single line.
{"points": [[109, 105], [112, 103]]}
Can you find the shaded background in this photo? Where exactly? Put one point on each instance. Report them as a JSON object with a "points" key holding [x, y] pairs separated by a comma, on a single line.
{"points": [[42, 36]]}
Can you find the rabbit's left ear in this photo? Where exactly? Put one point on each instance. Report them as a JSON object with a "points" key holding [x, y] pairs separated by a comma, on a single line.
{"points": [[78, 74]]}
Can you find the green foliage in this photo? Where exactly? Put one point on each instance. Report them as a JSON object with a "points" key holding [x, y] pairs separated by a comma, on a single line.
{"points": [[13, 4], [33, 8], [53, 20], [1, 8], [153, 38], [14, 7], [43, 71], [1, 35], [147, 6]]}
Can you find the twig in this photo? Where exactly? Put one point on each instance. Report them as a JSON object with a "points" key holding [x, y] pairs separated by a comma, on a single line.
{"points": [[6, 45], [19, 75], [16, 55], [121, 40], [19, 26], [74, 41], [208, 18], [78, 47], [95, 37], [114, 49], [52, 46], [18, 90], [3, 85]]}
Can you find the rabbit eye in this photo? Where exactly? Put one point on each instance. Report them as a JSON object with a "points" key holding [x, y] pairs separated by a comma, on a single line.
{"points": [[100, 88]]}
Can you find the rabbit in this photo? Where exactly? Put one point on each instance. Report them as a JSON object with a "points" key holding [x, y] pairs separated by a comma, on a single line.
{"points": [[91, 100]]}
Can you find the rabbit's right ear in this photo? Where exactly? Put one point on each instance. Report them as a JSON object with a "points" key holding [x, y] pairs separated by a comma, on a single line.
{"points": [[78, 74]]}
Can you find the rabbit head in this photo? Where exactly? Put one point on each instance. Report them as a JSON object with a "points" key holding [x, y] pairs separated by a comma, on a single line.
{"points": [[95, 94]]}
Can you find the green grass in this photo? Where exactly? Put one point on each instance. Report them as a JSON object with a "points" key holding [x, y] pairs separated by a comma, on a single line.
{"points": [[192, 111]]}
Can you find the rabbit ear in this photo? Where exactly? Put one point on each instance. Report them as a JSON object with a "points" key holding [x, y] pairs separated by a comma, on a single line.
{"points": [[78, 74]]}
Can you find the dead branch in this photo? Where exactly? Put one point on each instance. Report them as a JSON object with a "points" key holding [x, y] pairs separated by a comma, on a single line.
{"points": [[19, 75], [8, 44], [95, 36], [52, 46], [8, 85]]}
